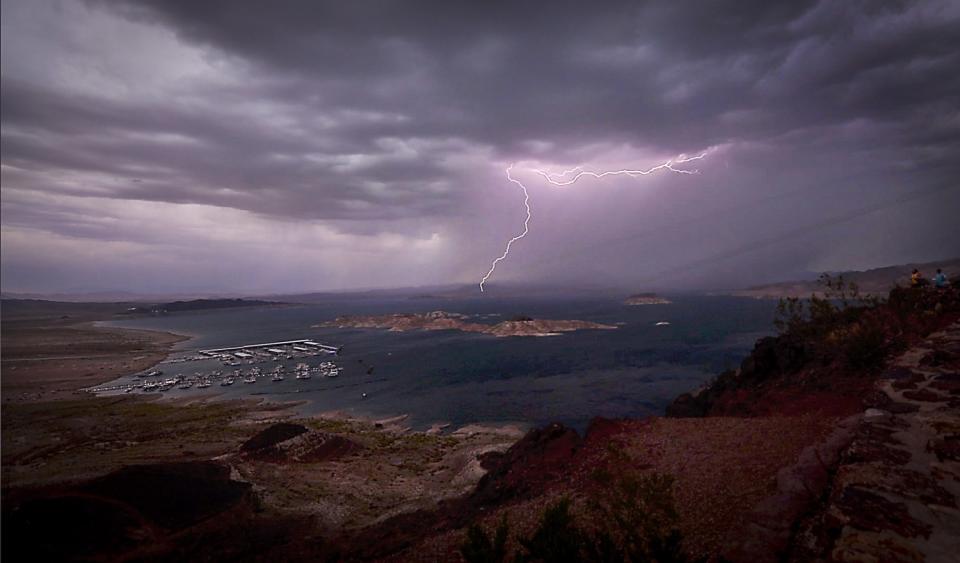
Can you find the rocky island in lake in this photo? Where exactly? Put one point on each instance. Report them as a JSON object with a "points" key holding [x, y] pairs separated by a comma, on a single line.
{"points": [[442, 320], [646, 299]]}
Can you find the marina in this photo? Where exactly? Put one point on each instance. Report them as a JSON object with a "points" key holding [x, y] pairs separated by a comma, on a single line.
{"points": [[304, 345], [156, 381]]}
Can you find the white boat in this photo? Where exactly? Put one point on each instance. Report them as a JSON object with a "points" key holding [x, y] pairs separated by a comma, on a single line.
{"points": [[303, 375], [277, 377], [226, 382], [203, 384], [250, 379]]}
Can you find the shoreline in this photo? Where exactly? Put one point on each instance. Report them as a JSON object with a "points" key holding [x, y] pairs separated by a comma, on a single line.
{"points": [[393, 423], [260, 409], [47, 361]]}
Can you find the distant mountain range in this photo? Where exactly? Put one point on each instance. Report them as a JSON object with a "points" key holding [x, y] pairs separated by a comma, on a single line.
{"points": [[40, 308], [877, 281], [116, 296], [197, 305]]}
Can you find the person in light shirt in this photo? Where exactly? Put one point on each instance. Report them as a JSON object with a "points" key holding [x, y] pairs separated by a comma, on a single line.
{"points": [[940, 280]]}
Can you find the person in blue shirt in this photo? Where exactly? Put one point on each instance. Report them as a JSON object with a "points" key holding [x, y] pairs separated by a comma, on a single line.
{"points": [[940, 280]]}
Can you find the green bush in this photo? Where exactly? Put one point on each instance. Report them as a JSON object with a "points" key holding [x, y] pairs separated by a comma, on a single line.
{"points": [[638, 517], [841, 324], [840, 303]]}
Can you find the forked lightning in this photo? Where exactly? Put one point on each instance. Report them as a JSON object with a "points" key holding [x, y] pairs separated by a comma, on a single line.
{"points": [[560, 179]]}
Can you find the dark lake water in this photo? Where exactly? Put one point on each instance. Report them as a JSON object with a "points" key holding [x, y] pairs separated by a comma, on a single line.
{"points": [[460, 378]]}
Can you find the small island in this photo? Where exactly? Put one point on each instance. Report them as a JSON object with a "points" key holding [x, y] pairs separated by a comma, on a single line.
{"points": [[646, 299], [442, 320]]}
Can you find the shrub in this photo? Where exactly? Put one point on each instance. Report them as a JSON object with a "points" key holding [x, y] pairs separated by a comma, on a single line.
{"points": [[817, 316], [480, 548], [841, 324], [557, 539], [632, 519], [638, 515], [864, 345]]}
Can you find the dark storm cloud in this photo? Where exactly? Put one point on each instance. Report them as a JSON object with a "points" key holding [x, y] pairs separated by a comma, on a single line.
{"points": [[387, 118], [165, 153], [506, 71]]}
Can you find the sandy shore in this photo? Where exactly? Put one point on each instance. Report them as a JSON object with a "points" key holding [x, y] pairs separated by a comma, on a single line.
{"points": [[47, 361]]}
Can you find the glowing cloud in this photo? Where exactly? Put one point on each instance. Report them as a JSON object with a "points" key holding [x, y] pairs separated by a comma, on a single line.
{"points": [[558, 179]]}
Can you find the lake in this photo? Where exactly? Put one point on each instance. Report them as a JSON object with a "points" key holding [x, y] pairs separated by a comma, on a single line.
{"points": [[462, 378]]}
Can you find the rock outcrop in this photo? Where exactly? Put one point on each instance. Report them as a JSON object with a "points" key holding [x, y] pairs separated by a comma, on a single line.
{"points": [[272, 436], [294, 443], [732, 391], [895, 492]]}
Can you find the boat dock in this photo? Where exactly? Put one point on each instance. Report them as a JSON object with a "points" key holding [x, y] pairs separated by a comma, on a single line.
{"points": [[298, 345]]}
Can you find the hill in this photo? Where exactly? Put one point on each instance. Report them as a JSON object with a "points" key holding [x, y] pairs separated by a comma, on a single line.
{"points": [[877, 281], [198, 305]]}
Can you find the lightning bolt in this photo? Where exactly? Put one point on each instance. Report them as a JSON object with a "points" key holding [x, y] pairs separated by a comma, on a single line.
{"points": [[580, 172], [526, 227], [557, 179]]}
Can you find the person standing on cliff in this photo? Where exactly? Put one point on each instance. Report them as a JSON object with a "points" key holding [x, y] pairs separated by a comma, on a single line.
{"points": [[916, 278]]}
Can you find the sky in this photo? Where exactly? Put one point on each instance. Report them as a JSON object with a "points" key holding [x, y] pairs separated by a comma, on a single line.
{"points": [[252, 147]]}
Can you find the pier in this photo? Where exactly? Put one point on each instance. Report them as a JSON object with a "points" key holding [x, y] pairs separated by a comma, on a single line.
{"points": [[267, 345]]}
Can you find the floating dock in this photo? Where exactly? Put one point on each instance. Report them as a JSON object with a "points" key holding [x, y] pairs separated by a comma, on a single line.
{"points": [[296, 344]]}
